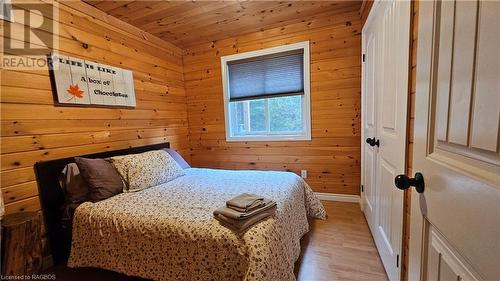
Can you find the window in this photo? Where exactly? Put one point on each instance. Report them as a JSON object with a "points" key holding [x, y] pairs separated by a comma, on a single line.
{"points": [[266, 94], [6, 10]]}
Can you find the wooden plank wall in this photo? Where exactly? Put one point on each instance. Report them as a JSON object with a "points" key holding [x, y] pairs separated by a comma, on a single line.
{"points": [[33, 129], [332, 158]]}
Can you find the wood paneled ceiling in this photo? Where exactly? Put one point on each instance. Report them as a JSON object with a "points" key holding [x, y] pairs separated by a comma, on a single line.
{"points": [[187, 23]]}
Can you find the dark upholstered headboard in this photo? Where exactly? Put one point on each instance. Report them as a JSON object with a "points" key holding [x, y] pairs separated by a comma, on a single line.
{"points": [[52, 196]]}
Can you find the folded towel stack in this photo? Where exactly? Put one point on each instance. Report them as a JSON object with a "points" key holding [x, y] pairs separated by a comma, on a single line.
{"points": [[245, 210]]}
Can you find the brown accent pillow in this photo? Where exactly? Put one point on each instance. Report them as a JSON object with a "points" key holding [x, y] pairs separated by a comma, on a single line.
{"points": [[101, 177], [73, 185], [178, 158]]}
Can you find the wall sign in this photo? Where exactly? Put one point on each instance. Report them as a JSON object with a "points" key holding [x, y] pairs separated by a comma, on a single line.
{"points": [[83, 82]]}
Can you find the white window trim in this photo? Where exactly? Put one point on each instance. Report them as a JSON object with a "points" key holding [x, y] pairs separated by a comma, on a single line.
{"points": [[306, 104], [10, 17]]}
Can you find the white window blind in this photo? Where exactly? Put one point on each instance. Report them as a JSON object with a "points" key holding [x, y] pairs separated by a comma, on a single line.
{"points": [[267, 94], [279, 74]]}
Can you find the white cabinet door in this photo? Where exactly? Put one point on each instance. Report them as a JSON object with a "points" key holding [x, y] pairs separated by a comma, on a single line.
{"points": [[386, 44], [455, 222]]}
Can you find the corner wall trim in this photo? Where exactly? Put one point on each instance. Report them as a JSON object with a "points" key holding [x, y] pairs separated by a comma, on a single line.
{"points": [[338, 197]]}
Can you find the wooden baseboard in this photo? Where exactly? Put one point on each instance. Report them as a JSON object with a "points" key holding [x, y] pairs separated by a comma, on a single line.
{"points": [[338, 197]]}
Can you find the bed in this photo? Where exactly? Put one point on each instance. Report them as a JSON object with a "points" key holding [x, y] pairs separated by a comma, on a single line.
{"points": [[168, 232]]}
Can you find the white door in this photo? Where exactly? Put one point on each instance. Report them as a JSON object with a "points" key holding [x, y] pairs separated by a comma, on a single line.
{"points": [[455, 222], [369, 116], [387, 88]]}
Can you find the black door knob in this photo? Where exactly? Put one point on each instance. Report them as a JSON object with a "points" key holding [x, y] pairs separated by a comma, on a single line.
{"points": [[373, 142], [403, 182]]}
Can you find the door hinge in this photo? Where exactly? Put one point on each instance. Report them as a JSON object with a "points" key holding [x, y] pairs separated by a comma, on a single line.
{"points": [[363, 57], [397, 261], [362, 188]]}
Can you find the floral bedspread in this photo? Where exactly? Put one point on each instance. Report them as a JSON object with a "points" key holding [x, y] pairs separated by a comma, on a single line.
{"points": [[168, 232]]}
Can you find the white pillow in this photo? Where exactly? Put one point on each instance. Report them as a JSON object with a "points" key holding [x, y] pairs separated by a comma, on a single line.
{"points": [[144, 170]]}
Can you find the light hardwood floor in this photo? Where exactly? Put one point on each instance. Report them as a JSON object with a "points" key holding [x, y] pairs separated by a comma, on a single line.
{"points": [[339, 248]]}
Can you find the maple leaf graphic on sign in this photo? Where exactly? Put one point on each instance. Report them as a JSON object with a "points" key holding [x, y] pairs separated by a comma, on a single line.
{"points": [[75, 91]]}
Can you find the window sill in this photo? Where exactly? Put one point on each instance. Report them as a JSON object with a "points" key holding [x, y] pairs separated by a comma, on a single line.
{"points": [[268, 138]]}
